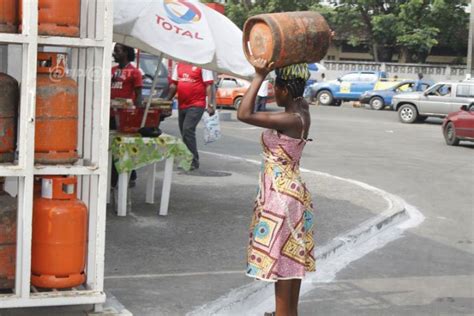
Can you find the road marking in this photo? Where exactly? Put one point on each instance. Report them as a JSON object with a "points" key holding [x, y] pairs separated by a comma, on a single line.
{"points": [[170, 275], [242, 128], [258, 297], [225, 156]]}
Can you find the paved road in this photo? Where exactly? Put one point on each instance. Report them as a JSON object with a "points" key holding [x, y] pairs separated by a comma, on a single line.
{"points": [[172, 265], [410, 160], [430, 270], [427, 272]]}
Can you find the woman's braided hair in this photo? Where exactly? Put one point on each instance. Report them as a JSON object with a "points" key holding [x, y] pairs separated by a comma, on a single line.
{"points": [[294, 86], [294, 78]]}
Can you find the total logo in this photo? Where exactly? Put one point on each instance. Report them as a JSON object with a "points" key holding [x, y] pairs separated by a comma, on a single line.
{"points": [[180, 12]]}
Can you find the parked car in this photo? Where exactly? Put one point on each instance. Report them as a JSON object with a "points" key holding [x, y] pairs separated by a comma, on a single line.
{"points": [[230, 91], [148, 64], [459, 125], [438, 101], [348, 87], [379, 99]]}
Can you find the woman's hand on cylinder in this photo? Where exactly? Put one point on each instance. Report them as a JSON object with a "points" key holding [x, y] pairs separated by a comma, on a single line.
{"points": [[262, 66]]}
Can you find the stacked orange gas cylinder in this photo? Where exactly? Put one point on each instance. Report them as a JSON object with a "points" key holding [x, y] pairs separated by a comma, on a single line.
{"points": [[8, 210], [59, 238], [9, 96], [8, 108], [59, 241], [57, 17], [8, 16], [56, 111]]}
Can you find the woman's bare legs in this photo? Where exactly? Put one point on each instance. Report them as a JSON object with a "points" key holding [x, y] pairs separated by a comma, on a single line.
{"points": [[283, 297], [295, 295], [286, 297]]}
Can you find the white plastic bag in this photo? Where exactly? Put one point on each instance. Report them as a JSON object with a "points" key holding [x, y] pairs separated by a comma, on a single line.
{"points": [[212, 127]]}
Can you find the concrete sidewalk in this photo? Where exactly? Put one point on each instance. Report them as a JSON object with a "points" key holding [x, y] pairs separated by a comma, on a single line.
{"points": [[176, 264]]}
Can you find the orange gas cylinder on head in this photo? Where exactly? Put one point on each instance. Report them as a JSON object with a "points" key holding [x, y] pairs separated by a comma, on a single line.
{"points": [[58, 17], [56, 111], [286, 38], [8, 16], [59, 241]]}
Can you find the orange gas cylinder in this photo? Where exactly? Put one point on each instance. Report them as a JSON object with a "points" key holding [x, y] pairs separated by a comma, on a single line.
{"points": [[59, 241], [58, 17], [286, 38], [56, 111], [8, 209], [8, 16], [9, 95]]}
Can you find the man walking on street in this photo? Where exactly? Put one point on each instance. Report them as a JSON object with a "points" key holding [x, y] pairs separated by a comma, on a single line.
{"points": [[193, 86]]}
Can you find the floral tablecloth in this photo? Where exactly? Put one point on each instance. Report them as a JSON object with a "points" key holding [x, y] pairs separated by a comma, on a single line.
{"points": [[131, 152]]}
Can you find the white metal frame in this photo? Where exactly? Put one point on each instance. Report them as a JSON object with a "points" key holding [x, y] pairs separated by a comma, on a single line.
{"points": [[92, 50]]}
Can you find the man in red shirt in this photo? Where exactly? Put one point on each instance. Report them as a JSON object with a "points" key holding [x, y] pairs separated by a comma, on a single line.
{"points": [[127, 84], [126, 79], [193, 86]]}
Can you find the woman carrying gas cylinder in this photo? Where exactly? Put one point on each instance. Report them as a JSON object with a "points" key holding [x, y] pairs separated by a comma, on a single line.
{"points": [[281, 247]]}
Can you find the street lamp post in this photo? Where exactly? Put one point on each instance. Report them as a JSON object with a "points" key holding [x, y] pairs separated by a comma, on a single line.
{"points": [[470, 51]]}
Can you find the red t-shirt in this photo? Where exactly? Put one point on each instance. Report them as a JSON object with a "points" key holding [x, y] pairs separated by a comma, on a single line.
{"points": [[191, 84], [124, 82]]}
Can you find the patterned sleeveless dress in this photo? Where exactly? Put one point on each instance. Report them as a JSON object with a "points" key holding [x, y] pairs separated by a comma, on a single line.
{"points": [[281, 244]]}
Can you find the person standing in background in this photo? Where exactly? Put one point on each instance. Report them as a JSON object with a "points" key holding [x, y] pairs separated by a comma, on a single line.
{"points": [[262, 97], [127, 83], [127, 80], [418, 83], [193, 86]]}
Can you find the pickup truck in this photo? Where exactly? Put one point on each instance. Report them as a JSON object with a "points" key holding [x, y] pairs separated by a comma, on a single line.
{"points": [[348, 87], [437, 101]]}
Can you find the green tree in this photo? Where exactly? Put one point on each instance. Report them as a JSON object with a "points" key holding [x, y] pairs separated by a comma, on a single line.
{"points": [[410, 27], [417, 35], [239, 10], [453, 21]]}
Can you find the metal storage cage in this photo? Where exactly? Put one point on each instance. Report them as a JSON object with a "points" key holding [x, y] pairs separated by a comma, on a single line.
{"points": [[90, 61]]}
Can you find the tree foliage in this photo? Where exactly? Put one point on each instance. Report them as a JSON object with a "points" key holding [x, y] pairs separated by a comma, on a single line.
{"points": [[410, 28], [239, 10]]}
